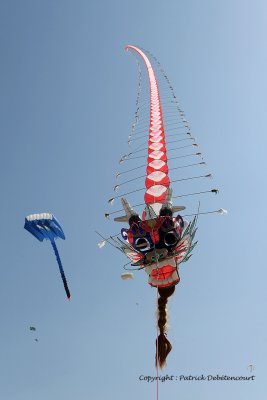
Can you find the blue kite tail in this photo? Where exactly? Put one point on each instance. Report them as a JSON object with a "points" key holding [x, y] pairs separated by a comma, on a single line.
{"points": [[61, 269]]}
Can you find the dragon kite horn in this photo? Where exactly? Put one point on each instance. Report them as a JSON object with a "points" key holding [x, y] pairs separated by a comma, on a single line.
{"points": [[129, 211]]}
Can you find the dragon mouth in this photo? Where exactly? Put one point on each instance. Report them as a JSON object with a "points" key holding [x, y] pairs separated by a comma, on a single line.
{"points": [[163, 274]]}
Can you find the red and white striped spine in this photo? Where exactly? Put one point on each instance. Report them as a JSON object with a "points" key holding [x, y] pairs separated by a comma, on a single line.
{"points": [[157, 180]]}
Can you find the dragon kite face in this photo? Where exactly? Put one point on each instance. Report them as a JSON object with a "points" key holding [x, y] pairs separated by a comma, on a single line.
{"points": [[159, 235], [159, 245]]}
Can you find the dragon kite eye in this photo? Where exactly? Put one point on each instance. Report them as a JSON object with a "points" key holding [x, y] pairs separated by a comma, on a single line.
{"points": [[171, 238], [142, 244]]}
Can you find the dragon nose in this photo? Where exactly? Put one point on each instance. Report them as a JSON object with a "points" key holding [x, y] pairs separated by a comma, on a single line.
{"points": [[156, 255]]}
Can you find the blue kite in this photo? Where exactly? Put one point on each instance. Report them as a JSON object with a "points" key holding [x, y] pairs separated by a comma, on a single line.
{"points": [[46, 226]]}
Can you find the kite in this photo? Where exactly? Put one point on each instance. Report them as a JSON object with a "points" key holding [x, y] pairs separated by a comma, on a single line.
{"points": [[46, 226], [32, 328], [157, 239]]}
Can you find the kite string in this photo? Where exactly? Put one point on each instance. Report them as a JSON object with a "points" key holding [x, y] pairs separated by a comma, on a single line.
{"points": [[157, 330], [157, 327], [157, 348]]}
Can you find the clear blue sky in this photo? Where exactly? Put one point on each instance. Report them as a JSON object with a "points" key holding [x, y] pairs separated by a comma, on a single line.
{"points": [[67, 98]]}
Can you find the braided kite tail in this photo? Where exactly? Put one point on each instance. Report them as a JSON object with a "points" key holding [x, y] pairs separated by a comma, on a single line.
{"points": [[163, 346]]}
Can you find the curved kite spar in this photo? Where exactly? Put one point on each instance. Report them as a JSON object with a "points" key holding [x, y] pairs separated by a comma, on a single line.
{"points": [[46, 226]]}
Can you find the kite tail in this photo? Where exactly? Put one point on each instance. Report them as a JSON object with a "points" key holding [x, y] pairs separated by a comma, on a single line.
{"points": [[61, 269], [163, 345]]}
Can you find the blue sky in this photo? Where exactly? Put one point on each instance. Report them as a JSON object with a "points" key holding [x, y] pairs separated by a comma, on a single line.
{"points": [[67, 102]]}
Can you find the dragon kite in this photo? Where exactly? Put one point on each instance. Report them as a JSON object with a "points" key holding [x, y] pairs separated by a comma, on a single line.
{"points": [[158, 239]]}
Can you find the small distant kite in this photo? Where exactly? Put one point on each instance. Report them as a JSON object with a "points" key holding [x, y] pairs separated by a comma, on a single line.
{"points": [[32, 328], [46, 226]]}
